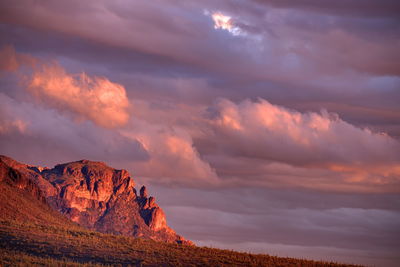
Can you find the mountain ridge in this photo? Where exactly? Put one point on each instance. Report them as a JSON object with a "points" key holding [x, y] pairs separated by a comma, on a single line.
{"points": [[97, 197]]}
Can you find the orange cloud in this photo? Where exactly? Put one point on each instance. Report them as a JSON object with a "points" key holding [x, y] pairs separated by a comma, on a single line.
{"points": [[94, 98]]}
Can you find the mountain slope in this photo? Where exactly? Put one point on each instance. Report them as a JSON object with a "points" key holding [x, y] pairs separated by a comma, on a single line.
{"points": [[98, 197]]}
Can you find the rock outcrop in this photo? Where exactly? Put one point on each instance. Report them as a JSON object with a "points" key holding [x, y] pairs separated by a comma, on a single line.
{"points": [[97, 197]]}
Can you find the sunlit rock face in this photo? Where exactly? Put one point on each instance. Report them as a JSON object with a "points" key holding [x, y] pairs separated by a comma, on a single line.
{"points": [[101, 198]]}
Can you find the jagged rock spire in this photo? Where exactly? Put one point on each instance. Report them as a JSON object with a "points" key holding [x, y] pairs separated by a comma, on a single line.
{"points": [[143, 192]]}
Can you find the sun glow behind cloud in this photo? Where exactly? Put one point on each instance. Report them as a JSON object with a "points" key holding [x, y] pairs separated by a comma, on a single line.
{"points": [[225, 22]]}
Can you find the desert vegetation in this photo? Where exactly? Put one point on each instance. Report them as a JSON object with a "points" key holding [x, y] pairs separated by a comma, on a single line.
{"points": [[31, 243]]}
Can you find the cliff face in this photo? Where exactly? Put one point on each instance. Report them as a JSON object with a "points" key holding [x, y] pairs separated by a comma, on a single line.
{"points": [[99, 197]]}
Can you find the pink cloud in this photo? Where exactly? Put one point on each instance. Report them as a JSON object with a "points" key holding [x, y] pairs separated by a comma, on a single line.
{"points": [[253, 143], [164, 153], [284, 143], [94, 98], [173, 157]]}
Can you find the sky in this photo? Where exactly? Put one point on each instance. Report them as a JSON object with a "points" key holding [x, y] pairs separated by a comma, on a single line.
{"points": [[263, 126]]}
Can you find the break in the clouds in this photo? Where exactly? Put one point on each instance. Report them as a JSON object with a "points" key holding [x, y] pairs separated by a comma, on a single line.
{"points": [[283, 115], [224, 22]]}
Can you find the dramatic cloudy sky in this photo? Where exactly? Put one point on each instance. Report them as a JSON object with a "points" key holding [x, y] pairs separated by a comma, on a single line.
{"points": [[266, 126]]}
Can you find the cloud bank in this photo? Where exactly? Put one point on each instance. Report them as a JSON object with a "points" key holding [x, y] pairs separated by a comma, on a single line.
{"points": [[288, 141], [262, 130]]}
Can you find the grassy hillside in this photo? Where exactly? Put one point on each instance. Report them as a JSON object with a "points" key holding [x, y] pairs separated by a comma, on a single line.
{"points": [[19, 205]]}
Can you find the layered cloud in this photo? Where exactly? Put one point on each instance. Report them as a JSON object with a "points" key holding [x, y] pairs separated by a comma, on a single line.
{"points": [[286, 222], [290, 143], [270, 145], [260, 128], [94, 98], [164, 36]]}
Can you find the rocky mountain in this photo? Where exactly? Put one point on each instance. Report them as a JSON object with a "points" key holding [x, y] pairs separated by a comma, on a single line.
{"points": [[95, 196]]}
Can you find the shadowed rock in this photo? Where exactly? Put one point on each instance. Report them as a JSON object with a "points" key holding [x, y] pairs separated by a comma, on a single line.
{"points": [[143, 192]]}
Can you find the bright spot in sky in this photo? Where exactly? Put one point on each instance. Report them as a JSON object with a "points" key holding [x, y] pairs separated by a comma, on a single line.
{"points": [[224, 22], [221, 21]]}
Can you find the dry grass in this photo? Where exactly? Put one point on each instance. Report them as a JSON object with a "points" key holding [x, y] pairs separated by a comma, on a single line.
{"points": [[32, 243]]}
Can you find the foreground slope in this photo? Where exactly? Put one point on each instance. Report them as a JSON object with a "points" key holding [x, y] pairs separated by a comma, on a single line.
{"points": [[21, 200], [28, 244]]}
